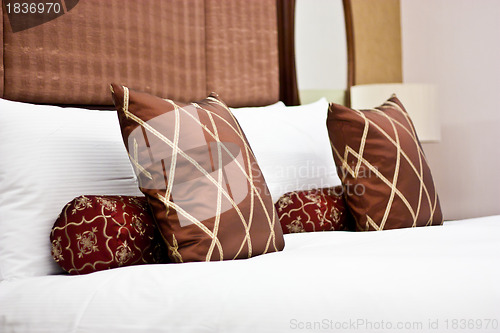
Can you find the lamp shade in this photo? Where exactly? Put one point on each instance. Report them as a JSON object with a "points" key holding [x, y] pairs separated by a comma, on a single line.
{"points": [[420, 100]]}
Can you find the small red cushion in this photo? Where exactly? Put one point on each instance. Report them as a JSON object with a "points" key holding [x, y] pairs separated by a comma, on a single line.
{"points": [[313, 210], [95, 233]]}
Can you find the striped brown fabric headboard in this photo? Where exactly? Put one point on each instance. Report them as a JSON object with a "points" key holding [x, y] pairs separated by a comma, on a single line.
{"points": [[178, 49]]}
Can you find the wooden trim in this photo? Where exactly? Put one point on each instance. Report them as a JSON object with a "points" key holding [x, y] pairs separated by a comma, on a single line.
{"points": [[351, 64], [289, 92]]}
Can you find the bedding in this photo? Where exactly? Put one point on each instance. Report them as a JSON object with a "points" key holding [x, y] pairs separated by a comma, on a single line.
{"points": [[291, 145], [204, 187], [422, 279], [54, 155], [50, 155], [322, 209], [386, 178], [94, 233]]}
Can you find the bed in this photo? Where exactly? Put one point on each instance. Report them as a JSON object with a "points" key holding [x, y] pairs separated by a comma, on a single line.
{"points": [[61, 139], [404, 280]]}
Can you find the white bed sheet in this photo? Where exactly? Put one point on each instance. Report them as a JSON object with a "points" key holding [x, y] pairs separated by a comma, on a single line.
{"points": [[330, 281]]}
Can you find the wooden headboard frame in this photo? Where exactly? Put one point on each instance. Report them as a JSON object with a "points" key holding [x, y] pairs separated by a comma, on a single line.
{"points": [[289, 91], [183, 50]]}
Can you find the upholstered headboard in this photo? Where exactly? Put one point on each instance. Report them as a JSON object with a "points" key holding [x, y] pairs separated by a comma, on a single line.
{"points": [[178, 49]]}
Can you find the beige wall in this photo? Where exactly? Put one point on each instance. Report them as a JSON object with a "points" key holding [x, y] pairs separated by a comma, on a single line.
{"points": [[456, 45]]}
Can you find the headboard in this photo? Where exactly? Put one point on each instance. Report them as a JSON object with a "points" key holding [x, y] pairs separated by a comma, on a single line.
{"points": [[178, 49]]}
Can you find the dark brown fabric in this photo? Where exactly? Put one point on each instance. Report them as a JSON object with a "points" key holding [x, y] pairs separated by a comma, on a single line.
{"points": [[242, 51], [387, 181], [157, 46], [176, 49], [195, 167]]}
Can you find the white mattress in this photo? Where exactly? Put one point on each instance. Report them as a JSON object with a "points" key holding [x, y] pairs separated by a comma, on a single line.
{"points": [[330, 281]]}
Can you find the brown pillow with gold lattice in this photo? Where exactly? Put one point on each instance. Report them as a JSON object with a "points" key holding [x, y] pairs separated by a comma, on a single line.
{"points": [[387, 181], [201, 179], [95, 233]]}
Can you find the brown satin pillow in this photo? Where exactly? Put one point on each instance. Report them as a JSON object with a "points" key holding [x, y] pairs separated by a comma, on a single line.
{"points": [[201, 179], [387, 181]]}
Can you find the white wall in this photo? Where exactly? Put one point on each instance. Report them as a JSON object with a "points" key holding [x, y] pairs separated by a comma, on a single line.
{"points": [[456, 45]]}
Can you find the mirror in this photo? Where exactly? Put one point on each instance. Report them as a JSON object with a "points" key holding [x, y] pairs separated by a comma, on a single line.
{"points": [[321, 50]]}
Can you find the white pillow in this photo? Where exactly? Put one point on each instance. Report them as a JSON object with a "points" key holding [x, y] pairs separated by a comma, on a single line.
{"points": [[49, 155], [277, 105], [291, 145]]}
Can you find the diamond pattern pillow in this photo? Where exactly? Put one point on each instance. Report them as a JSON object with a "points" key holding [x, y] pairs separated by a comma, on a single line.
{"points": [[201, 179], [314, 210], [95, 233], [387, 181]]}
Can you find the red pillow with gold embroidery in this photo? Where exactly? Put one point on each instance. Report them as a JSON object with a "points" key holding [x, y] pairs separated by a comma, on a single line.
{"points": [[313, 210], [95, 233]]}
